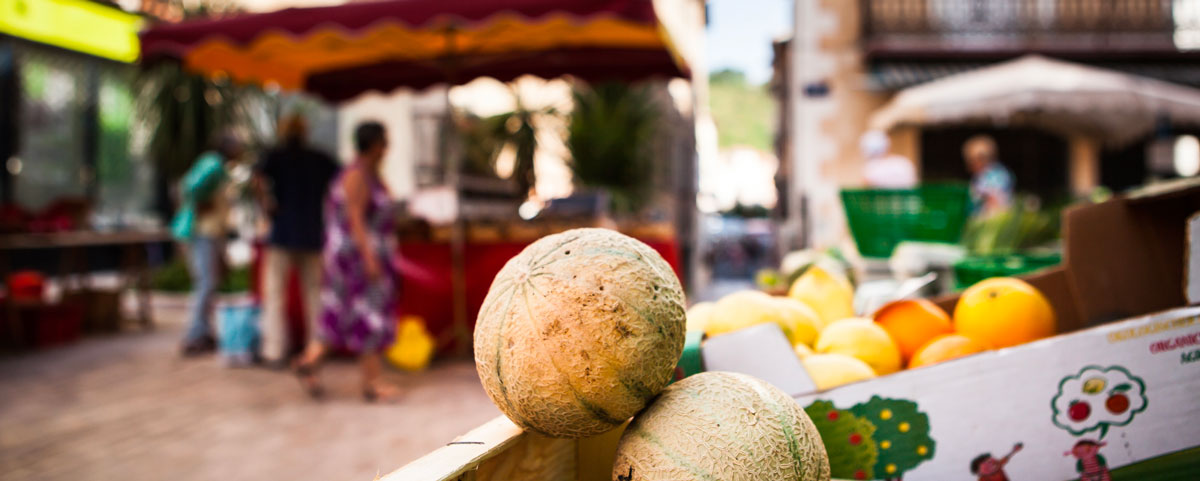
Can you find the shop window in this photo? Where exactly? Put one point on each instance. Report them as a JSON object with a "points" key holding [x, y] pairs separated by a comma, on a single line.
{"points": [[124, 176], [49, 165]]}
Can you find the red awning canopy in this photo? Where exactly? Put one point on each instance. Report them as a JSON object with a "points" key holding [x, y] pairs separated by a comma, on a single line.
{"points": [[339, 52]]}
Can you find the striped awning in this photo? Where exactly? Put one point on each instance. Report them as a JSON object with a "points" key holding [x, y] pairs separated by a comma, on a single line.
{"points": [[341, 51]]}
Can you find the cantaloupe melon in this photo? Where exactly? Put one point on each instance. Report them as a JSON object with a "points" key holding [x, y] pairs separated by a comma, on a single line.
{"points": [[578, 332], [721, 426]]}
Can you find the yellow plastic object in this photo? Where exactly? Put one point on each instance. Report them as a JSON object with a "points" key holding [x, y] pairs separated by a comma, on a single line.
{"points": [[413, 349]]}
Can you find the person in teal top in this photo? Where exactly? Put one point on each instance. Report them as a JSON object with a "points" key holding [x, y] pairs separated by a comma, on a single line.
{"points": [[991, 182], [201, 223]]}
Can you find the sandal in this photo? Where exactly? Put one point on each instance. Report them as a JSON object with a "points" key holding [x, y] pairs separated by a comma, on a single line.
{"points": [[306, 373], [374, 393]]}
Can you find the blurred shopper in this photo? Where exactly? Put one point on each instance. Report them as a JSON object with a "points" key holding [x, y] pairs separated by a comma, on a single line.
{"points": [[883, 169], [991, 183], [293, 180], [359, 290], [202, 222]]}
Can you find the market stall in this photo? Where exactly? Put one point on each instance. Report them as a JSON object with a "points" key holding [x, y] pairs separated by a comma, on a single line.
{"points": [[342, 51]]}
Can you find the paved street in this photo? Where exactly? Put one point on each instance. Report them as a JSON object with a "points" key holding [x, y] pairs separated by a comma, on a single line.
{"points": [[126, 407]]}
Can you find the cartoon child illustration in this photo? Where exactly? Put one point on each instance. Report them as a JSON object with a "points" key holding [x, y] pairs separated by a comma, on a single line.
{"points": [[1091, 465], [992, 469]]}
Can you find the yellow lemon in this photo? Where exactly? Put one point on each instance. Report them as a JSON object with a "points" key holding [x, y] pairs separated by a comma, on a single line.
{"points": [[740, 310], [797, 319], [1003, 312], [829, 294], [698, 315], [832, 370], [862, 339], [803, 351]]}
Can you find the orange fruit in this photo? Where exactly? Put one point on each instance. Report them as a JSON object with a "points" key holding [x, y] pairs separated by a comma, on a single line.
{"points": [[1003, 312], [945, 348], [912, 323]]}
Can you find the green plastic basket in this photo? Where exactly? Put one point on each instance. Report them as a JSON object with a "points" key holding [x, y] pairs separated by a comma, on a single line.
{"points": [[881, 218], [974, 269]]}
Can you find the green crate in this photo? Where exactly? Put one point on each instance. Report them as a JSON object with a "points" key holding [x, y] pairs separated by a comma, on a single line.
{"points": [[881, 218], [974, 269]]}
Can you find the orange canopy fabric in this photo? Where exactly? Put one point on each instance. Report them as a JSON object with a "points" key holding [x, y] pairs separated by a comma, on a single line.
{"points": [[339, 52]]}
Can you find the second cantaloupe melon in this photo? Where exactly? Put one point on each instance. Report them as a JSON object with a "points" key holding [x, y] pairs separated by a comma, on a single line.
{"points": [[718, 426]]}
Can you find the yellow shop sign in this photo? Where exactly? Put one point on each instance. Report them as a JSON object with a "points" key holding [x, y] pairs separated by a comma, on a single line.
{"points": [[78, 25]]}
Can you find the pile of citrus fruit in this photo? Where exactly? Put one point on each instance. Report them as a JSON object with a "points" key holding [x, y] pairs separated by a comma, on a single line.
{"points": [[838, 348]]}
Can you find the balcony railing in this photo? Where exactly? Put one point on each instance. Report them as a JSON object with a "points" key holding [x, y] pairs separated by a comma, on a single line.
{"points": [[1002, 26]]}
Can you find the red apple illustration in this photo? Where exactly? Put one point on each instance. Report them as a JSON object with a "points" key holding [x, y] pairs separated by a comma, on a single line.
{"points": [[1079, 410], [855, 439], [1118, 402]]}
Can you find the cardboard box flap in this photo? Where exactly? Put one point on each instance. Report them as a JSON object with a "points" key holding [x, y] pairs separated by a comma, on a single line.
{"points": [[1192, 289], [1125, 257]]}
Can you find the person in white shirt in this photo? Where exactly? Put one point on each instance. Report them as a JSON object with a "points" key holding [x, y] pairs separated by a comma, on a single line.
{"points": [[884, 170]]}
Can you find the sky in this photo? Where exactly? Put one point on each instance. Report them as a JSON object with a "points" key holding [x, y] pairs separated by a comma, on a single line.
{"points": [[740, 33]]}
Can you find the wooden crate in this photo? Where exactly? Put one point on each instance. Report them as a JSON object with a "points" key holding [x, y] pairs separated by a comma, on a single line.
{"points": [[499, 450]]}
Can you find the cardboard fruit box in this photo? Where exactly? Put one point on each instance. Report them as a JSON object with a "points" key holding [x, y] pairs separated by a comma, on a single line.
{"points": [[1116, 392]]}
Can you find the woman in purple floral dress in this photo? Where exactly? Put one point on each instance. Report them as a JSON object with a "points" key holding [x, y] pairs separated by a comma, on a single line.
{"points": [[358, 291]]}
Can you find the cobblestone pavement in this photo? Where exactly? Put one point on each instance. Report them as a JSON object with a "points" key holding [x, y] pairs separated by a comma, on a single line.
{"points": [[126, 407]]}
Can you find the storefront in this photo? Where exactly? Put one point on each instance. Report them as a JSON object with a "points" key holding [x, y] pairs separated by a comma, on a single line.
{"points": [[68, 136]]}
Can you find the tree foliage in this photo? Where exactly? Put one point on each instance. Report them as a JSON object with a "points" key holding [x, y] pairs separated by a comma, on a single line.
{"points": [[610, 136], [184, 110]]}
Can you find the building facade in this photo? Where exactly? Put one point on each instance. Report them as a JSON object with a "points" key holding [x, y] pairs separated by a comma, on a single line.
{"points": [[849, 58]]}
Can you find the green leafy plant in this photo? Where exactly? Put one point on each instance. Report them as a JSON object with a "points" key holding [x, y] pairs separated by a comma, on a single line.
{"points": [[1022, 226], [482, 140], [609, 137], [174, 277]]}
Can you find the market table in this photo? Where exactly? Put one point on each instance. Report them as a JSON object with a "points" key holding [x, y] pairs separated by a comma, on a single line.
{"points": [[426, 289], [74, 261]]}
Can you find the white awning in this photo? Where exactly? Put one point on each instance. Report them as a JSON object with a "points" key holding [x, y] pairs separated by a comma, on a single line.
{"points": [[1052, 94]]}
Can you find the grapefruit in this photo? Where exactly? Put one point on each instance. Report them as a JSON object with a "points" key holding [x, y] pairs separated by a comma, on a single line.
{"points": [[832, 370], [912, 323], [945, 348], [721, 426], [578, 332], [862, 339], [1003, 312], [829, 294]]}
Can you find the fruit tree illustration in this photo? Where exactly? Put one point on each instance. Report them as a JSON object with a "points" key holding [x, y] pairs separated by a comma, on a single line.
{"points": [[882, 438], [901, 432], [848, 441]]}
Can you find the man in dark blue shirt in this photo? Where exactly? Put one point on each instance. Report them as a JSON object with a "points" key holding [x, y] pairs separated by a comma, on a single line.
{"points": [[293, 180]]}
